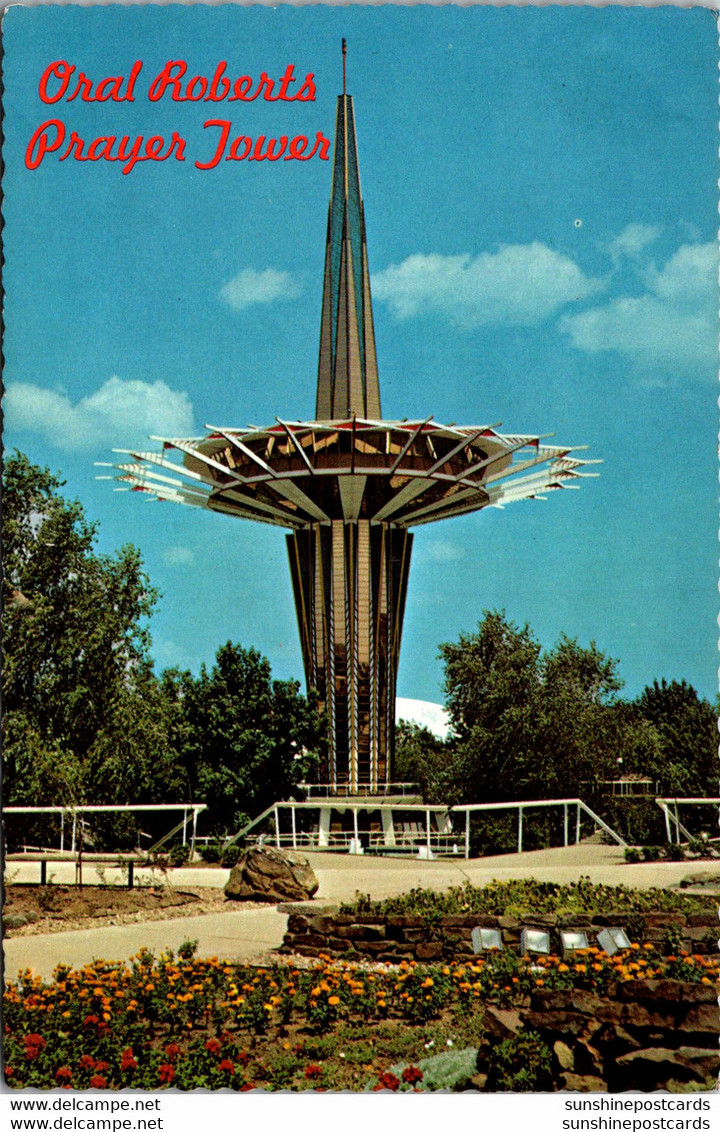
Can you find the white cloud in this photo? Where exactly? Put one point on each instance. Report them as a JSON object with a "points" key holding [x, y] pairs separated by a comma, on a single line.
{"points": [[250, 286], [520, 284], [178, 556], [672, 325], [118, 412], [632, 241], [441, 551]]}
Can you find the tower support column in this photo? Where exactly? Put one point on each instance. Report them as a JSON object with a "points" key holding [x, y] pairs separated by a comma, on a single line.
{"points": [[350, 582]]}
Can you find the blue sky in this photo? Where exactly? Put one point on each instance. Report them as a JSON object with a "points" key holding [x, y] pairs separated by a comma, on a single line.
{"points": [[540, 192]]}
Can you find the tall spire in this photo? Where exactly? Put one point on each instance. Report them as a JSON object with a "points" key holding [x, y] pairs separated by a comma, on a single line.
{"points": [[347, 371]]}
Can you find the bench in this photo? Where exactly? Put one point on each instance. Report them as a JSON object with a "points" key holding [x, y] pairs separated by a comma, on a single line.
{"points": [[120, 860]]}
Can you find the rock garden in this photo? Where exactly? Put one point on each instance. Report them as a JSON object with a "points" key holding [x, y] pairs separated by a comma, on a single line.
{"points": [[359, 1018]]}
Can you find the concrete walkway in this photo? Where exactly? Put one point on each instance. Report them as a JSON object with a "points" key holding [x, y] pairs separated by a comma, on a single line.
{"points": [[244, 934], [341, 875], [248, 932]]}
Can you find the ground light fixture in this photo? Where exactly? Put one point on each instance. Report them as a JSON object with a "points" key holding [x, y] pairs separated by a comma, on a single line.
{"points": [[486, 939], [612, 940], [573, 940], [534, 940]]}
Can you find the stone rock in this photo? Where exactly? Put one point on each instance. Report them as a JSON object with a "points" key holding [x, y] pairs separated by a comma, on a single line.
{"points": [[572, 999], [508, 923], [588, 1060], [501, 1024], [560, 1022], [271, 875], [612, 1039], [575, 1083], [663, 920], [429, 951], [564, 1055], [360, 931], [703, 920], [665, 992], [702, 1019], [710, 876], [649, 1069]]}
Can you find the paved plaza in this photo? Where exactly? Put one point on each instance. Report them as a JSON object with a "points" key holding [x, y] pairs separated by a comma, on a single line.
{"points": [[247, 932]]}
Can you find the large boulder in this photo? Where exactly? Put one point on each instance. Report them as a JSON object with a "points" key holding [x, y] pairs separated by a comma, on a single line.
{"points": [[269, 874]]}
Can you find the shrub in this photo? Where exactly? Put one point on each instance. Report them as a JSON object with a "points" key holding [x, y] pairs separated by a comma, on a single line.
{"points": [[230, 856], [519, 897], [210, 852], [179, 855], [632, 856], [521, 1064], [637, 820]]}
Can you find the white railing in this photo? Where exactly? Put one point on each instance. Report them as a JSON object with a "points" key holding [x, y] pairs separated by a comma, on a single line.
{"points": [[345, 790]]}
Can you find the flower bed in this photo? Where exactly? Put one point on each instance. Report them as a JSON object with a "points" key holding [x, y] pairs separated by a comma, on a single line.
{"points": [[192, 1023]]}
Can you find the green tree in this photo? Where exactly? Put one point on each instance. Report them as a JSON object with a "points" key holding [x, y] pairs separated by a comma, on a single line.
{"points": [[247, 740], [422, 758], [685, 758], [534, 724], [75, 641], [582, 732], [493, 686]]}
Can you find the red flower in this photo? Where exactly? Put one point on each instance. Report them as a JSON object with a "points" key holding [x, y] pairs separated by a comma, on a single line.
{"points": [[166, 1073], [87, 1062], [244, 1058], [64, 1074], [127, 1060], [313, 1071], [411, 1074], [98, 1082], [101, 1066], [34, 1045], [9, 1071], [226, 1065], [247, 1087], [91, 1020], [173, 1051], [387, 1081], [212, 1045]]}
